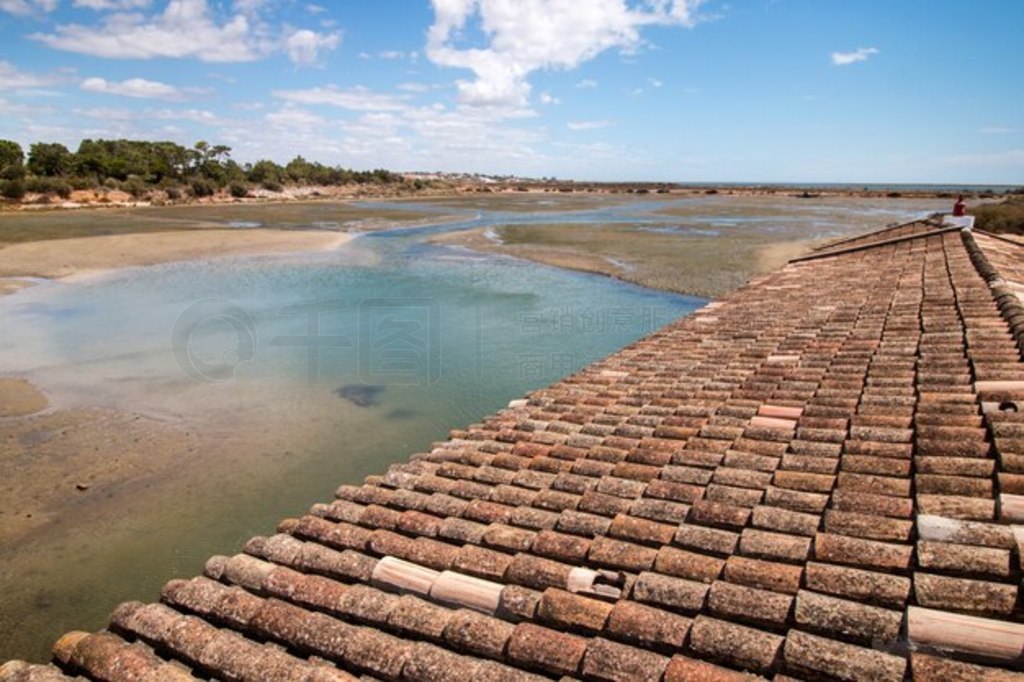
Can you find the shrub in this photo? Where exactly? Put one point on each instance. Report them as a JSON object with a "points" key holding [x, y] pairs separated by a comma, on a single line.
{"points": [[45, 185], [173, 193], [1006, 216], [135, 186], [12, 189], [238, 190], [201, 187], [273, 186]]}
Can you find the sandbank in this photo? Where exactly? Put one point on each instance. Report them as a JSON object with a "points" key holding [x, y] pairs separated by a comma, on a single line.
{"points": [[63, 258]]}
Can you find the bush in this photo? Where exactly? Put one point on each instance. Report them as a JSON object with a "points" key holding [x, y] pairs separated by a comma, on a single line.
{"points": [[238, 190], [13, 172], [201, 187], [1006, 216], [135, 186], [273, 186], [173, 193], [12, 189], [44, 185]]}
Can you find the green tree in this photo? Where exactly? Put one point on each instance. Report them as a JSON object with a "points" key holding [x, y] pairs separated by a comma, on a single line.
{"points": [[264, 171], [299, 170], [12, 160], [49, 159], [92, 159], [11, 154]]}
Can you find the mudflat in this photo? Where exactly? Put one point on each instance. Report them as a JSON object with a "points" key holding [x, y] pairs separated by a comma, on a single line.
{"points": [[59, 258]]}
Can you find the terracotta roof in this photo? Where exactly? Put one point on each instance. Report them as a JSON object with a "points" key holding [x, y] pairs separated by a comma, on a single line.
{"points": [[819, 477]]}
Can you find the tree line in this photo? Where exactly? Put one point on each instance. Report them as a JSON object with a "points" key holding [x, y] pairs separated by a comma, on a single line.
{"points": [[140, 167]]}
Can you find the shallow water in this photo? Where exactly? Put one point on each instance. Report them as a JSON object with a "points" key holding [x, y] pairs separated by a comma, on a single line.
{"points": [[299, 373]]}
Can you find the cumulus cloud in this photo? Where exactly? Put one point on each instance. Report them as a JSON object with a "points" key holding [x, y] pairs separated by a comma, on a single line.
{"points": [[186, 28], [194, 115], [133, 87], [358, 98], [304, 46], [11, 78], [104, 5], [292, 117], [23, 8], [587, 84], [588, 125], [548, 98], [524, 36], [859, 55]]}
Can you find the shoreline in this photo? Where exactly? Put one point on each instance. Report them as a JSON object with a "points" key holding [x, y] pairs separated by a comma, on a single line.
{"points": [[107, 199]]}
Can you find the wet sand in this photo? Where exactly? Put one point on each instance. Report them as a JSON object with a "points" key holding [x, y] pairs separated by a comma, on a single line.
{"points": [[706, 267], [62, 258], [19, 398]]}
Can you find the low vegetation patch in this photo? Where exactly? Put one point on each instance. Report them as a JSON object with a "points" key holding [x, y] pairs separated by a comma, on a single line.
{"points": [[1005, 217]]}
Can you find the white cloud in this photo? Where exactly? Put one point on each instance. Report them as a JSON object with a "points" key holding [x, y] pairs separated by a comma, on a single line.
{"points": [[13, 79], [530, 35], [106, 113], [358, 98], [186, 28], [133, 87], [588, 125], [391, 54], [413, 87], [24, 8], [194, 115], [548, 98], [293, 117], [587, 84], [304, 46], [103, 5], [859, 55], [654, 82]]}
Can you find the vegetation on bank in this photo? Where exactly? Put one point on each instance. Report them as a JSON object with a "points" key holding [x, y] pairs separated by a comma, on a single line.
{"points": [[1006, 217], [143, 169]]}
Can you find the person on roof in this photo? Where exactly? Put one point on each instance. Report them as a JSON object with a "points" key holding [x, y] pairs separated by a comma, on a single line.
{"points": [[959, 206]]}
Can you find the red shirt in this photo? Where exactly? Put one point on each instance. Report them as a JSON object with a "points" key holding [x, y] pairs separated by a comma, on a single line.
{"points": [[958, 208]]}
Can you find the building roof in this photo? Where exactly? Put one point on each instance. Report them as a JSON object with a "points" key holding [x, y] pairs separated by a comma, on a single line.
{"points": [[819, 476]]}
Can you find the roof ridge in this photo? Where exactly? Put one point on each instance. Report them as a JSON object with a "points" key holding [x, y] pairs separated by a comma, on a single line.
{"points": [[1010, 307], [888, 228], [870, 245]]}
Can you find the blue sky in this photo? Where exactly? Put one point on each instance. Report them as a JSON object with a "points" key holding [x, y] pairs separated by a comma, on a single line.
{"points": [[673, 90]]}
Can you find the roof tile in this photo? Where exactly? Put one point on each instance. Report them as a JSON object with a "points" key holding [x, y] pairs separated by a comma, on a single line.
{"points": [[839, 660], [737, 645]]}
